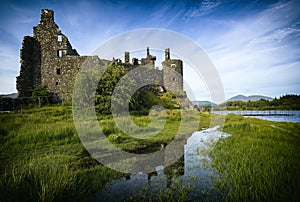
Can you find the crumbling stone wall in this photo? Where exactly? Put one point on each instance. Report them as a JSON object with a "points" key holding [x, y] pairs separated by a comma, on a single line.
{"points": [[149, 60], [48, 58], [59, 75], [60, 62]]}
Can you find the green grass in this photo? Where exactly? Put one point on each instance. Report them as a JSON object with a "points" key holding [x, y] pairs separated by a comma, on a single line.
{"points": [[167, 134], [42, 158], [260, 161]]}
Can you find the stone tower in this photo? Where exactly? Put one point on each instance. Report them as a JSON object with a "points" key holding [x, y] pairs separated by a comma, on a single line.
{"points": [[59, 62], [55, 62], [47, 58], [172, 81]]}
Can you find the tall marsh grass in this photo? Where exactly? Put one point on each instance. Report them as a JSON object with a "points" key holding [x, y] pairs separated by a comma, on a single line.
{"points": [[260, 161], [43, 159]]}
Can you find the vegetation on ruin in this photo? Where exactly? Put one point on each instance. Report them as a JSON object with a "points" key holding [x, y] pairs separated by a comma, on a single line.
{"points": [[43, 159], [142, 99]]}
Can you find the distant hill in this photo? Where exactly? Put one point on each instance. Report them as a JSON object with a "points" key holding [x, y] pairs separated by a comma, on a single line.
{"points": [[204, 103], [258, 102], [247, 98], [12, 95]]}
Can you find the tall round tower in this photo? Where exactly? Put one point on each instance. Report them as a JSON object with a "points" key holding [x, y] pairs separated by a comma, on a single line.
{"points": [[172, 73]]}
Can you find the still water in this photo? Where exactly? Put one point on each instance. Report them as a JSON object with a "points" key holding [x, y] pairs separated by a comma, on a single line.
{"points": [[270, 115], [192, 171]]}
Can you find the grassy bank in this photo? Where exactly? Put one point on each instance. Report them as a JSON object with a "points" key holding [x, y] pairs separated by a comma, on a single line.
{"points": [[43, 159], [260, 161]]}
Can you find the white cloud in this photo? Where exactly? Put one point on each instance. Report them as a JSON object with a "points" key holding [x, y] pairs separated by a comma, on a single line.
{"points": [[247, 51], [252, 52], [276, 36], [206, 7]]}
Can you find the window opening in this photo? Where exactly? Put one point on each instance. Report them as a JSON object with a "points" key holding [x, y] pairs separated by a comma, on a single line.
{"points": [[59, 37], [59, 53]]}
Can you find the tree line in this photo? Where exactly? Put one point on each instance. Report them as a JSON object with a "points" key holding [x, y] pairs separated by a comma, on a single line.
{"points": [[285, 102]]}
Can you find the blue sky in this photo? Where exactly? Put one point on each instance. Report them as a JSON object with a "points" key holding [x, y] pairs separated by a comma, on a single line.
{"points": [[254, 45]]}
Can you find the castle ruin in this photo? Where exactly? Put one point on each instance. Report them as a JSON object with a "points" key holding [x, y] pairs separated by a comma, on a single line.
{"points": [[47, 58]]}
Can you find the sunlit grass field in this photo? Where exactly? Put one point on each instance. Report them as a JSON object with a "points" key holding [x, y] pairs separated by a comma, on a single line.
{"points": [[43, 159]]}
